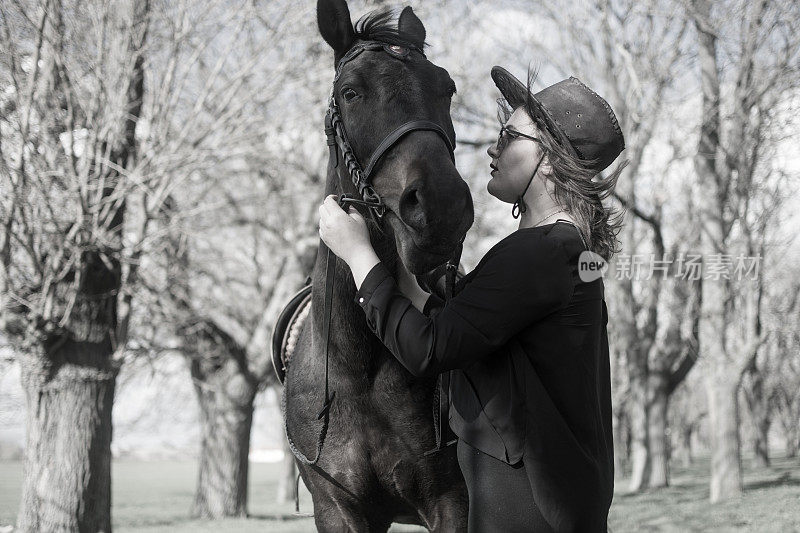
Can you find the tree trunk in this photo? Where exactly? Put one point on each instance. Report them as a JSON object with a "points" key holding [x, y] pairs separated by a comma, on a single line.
{"points": [[640, 445], [686, 437], [226, 416], [758, 405], [286, 483], [788, 414], [686, 445], [792, 443], [723, 429], [761, 444], [621, 442], [67, 467], [722, 372], [657, 432], [761, 425]]}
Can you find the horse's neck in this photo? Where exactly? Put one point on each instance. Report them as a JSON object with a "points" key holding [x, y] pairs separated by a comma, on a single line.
{"points": [[348, 327]]}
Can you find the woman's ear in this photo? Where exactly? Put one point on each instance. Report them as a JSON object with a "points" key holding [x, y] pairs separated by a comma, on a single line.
{"points": [[545, 168], [333, 19]]}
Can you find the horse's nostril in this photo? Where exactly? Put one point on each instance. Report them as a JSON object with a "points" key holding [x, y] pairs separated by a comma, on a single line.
{"points": [[412, 207], [411, 197]]}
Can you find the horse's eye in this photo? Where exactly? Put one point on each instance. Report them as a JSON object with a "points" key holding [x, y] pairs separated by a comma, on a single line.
{"points": [[349, 94]]}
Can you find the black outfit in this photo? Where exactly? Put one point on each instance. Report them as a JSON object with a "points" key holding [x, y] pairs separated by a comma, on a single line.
{"points": [[500, 496], [525, 340]]}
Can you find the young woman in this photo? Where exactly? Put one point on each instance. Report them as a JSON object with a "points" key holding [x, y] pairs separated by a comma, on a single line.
{"points": [[525, 335]]}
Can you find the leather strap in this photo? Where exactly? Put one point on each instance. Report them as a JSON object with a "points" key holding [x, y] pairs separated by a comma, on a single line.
{"points": [[441, 396], [330, 277], [392, 138], [324, 414]]}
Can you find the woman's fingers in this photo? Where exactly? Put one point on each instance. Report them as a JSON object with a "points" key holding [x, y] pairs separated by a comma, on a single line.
{"points": [[331, 203], [331, 206], [328, 208], [353, 212], [333, 217]]}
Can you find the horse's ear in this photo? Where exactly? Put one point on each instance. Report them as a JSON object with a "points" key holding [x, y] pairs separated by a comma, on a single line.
{"points": [[333, 19], [410, 24]]}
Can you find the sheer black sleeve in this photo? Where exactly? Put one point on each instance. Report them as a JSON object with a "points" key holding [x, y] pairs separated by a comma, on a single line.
{"points": [[522, 281]]}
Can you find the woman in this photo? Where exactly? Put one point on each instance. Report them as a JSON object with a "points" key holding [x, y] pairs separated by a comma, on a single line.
{"points": [[525, 335]]}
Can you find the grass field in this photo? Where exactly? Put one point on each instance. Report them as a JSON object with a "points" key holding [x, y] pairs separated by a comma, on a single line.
{"points": [[155, 497]]}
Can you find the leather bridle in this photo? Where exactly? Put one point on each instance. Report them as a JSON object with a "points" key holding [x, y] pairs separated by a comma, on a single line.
{"points": [[337, 136], [360, 176]]}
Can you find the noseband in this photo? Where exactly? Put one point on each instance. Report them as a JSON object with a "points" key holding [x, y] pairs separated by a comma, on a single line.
{"points": [[337, 136]]}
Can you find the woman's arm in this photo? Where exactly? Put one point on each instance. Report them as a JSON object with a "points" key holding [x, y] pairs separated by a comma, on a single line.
{"points": [[408, 285], [525, 279], [361, 263], [521, 283]]}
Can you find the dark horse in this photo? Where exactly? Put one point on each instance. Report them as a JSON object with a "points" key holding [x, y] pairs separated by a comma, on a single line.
{"points": [[372, 470]]}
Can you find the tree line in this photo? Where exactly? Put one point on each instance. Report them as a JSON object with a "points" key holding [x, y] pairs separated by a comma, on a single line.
{"points": [[161, 164]]}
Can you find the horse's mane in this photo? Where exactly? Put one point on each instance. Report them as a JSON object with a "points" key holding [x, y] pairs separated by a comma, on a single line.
{"points": [[382, 26]]}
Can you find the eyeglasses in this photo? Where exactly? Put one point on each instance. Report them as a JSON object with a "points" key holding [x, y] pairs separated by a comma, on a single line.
{"points": [[507, 135]]}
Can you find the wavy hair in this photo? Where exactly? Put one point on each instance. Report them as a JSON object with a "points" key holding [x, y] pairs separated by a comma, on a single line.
{"points": [[578, 189]]}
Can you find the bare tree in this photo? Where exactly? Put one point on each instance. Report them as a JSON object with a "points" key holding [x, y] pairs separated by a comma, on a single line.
{"points": [[69, 158], [786, 376], [731, 156], [92, 156], [788, 401], [238, 238], [760, 400], [686, 417], [674, 354], [229, 364], [759, 379], [633, 52]]}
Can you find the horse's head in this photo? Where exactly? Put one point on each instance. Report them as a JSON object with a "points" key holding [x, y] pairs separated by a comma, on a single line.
{"points": [[429, 207]]}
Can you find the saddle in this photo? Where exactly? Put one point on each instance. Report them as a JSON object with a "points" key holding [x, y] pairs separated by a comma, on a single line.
{"points": [[287, 330], [290, 321]]}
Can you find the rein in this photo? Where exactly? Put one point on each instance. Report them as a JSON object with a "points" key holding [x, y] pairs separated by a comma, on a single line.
{"points": [[338, 141]]}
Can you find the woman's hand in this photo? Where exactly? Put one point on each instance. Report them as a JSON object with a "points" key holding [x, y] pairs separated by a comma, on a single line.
{"points": [[347, 236], [345, 233]]}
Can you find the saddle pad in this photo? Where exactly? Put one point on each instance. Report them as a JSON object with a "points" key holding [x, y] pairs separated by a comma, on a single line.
{"points": [[287, 330]]}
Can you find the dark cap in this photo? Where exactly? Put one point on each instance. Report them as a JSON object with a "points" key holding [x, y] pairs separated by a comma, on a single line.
{"points": [[576, 116]]}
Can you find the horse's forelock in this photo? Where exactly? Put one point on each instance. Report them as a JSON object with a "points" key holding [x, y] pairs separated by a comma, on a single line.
{"points": [[382, 25]]}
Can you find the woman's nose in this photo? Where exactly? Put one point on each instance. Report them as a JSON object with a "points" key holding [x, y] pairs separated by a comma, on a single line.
{"points": [[492, 151]]}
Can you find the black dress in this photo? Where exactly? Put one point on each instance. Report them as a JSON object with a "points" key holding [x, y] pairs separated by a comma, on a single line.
{"points": [[525, 340]]}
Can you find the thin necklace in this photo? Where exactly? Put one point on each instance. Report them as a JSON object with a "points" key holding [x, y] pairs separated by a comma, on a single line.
{"points": [[548, 216]]}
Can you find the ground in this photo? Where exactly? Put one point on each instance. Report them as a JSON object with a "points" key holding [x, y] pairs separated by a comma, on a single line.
{"points": [[152, 497]]}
